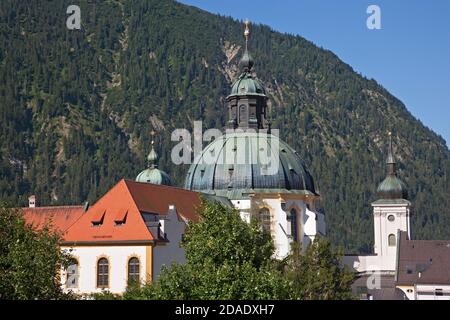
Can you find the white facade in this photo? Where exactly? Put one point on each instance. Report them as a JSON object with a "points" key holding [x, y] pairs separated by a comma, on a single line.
{"points": [[151, 257], [309, 223], [426, 292], [432, 292], [117, 257], [389, 218]]}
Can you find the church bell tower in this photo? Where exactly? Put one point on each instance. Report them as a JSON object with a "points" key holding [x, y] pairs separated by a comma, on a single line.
{"points": [[391, 212]]}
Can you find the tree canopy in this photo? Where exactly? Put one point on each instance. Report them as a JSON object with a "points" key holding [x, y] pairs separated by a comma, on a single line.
{"points": [[30, 260], [228, 258]]}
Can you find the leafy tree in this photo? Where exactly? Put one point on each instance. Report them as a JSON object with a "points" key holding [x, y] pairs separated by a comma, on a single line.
{"points": [[230, 259], [30, 260], [318, 274], [226, 259]]}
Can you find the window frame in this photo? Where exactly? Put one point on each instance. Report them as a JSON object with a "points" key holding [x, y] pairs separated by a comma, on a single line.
{"points": [[293, 214], [77, 274], [266, 224], [138, 269], [390, 243], [97, 273]]}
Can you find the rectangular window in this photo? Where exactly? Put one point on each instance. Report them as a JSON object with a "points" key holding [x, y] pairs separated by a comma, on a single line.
{"points": [[72, 275], [264, 219], [439, 292], [292, 217]]}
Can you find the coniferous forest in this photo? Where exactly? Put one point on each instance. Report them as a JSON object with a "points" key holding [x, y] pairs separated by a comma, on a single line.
{"points": [[77, 106]]}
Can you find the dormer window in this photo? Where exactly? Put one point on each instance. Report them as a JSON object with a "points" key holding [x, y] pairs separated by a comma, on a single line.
{"points": [[121, 218], [97, 219]]}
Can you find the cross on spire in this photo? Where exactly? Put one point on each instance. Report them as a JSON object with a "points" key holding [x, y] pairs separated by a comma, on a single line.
{"points": [[152, 134], [152, 157], [246, 32]]}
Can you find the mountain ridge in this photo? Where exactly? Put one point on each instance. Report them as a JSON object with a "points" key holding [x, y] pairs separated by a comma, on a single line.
{"points": [[78, 107]]}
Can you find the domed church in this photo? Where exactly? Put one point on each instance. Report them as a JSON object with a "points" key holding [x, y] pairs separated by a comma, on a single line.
{"points": [[261, 175]]}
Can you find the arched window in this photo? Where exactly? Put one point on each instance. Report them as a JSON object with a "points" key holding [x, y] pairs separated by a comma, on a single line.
{"points": [[391, 240], [242, 113], [102, 273], [264, 219], [294, 224], [133, 270], [72, 274]]}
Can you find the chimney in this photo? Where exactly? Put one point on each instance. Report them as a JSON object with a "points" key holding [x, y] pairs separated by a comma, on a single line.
{"points": [[32, 201]]}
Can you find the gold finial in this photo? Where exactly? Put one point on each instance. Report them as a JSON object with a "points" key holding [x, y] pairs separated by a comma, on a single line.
{"points": [[246, 32], [390, 140], [153, 133]]}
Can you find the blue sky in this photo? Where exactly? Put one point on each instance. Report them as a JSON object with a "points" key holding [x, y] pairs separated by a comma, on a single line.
{"points": [[409, 56]]}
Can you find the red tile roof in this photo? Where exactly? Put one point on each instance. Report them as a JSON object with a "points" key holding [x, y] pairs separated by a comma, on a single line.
{"points": [[60, 218], [154, 198], [130, 198]]}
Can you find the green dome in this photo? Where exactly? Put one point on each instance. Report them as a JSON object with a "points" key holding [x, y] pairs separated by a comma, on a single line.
{"points": [[392, 188], [234, 179], [247, 85], [154, 176]]}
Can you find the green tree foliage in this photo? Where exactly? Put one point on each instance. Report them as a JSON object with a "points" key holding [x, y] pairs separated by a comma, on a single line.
{"points": [[30, 260], [318, 274], [230, 259], [76, 108], [226, 259]]}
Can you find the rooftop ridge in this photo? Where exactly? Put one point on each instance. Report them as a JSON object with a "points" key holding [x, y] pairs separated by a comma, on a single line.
{"points": [[127, 181], [56, 207]]}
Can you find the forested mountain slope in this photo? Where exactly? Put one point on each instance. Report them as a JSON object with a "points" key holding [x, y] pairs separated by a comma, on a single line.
{"points": [[76, 108]]}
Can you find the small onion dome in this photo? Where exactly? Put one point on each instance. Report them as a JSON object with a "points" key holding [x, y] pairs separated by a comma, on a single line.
{"points": [[392, 188], [152, 174], [246, 63], [246, 84], [152, 156]]}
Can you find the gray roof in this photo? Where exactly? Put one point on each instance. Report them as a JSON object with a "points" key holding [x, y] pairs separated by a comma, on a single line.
{"points": [[213, 198], [231, 166], [387, 290], [423, 261]]}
